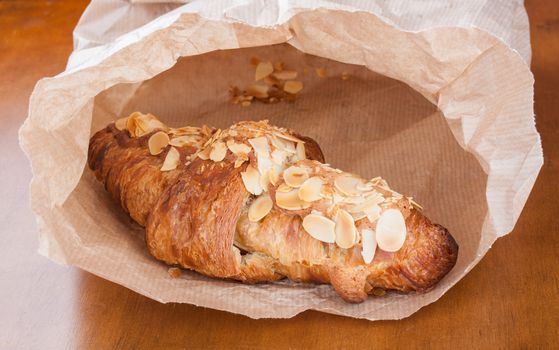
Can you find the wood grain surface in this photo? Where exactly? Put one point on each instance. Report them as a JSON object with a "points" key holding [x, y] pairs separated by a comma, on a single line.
{"points": [[508, 301]]}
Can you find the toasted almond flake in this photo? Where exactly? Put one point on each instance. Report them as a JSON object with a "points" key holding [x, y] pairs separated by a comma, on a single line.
{"points": [[391, 230], [372, 212], [320, 227], [292, 86], [265, 180], [369, 242], [218, 152], [354, 200], [185, 130], [345, 230], [245, 103], [257, 90], [294, 176], [264, 163], [278, 156], [273, 175], [368, 203], [321, 72], [260, 208], [415, 204], [364, 187], [358, 216], [310, 190], [347, 184], [285, 75], [204, 154], [120, 124], [263, 69], [157, 142], [181, 141], [337, 198], [251, 180], [171, 160], [284, 188], [301, 154], [241, 158], [237, 148], [139, 124], [290, 200], [260, 145], [283, 144]]}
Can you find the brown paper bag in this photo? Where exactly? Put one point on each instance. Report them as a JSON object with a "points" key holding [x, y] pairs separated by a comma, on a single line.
{"points": [[444, 114]]}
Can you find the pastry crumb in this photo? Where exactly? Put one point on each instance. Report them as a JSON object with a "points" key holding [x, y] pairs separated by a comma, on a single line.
{"points": [[174, 272]]}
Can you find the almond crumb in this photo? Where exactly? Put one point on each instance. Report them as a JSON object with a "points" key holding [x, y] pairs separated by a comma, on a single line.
{"points": [[321, 72], [293, 86], [254, 61], [263, 69]]}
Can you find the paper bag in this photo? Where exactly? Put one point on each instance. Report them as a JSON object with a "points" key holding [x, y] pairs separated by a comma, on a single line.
{"points": [[433, 98]]}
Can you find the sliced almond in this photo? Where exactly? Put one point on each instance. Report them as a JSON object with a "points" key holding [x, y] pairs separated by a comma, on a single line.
{"points": [[369, 242], [391, 230], [285, 75], [257, 90], [301, 154], [283, 143], [260, 145], [241, 158], [293, 86], [265, 180], [364, 203], [185, 130], [218, 152], [290, 200], [310, 190], [345, 230], [284, 188], [279, 156], [347, 184], [358, 216], [295, 176], [157, 142], [171, 160], [237, 148], [364, 187], [320, 227], [264, 163], [263, 69], [205, 153], [181, 141], [260, 208], [273, 175], [251, 180], [120, 124], [372, 212], [139, 124]]}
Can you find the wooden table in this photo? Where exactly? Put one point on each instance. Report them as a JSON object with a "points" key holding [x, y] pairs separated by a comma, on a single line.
{"points": [[510, 300]]}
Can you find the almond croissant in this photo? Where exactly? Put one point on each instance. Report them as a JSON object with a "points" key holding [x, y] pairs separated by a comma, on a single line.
{"points": [[256, 203]]}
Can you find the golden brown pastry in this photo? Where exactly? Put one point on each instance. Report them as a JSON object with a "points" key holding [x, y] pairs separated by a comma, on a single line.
{"points": [[256, 203]]}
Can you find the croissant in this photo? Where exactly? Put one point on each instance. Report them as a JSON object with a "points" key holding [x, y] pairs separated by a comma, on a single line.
{"points": [[257, 203]]}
